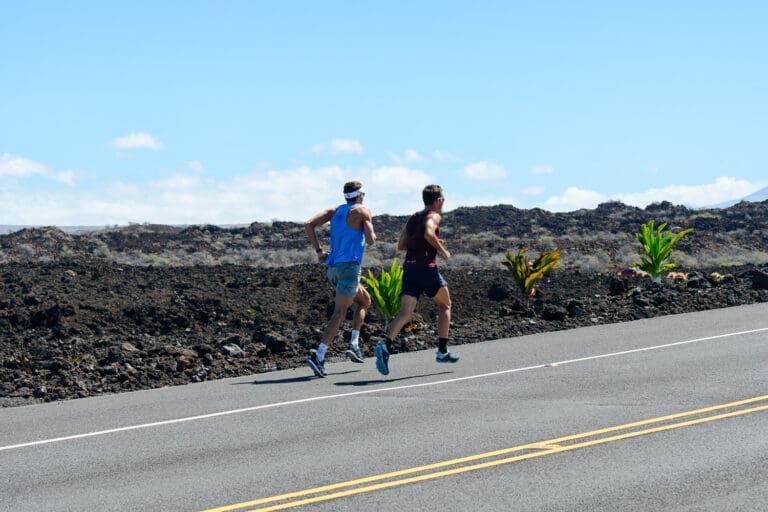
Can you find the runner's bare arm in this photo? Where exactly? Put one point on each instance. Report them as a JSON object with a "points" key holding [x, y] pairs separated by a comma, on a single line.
{"points": [[318, 220], [430, 227], [370, 235]]}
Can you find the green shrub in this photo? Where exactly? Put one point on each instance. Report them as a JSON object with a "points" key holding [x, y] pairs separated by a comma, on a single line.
{"points": [[527, 274], [385, 291], [101, 249], [656, 249]]}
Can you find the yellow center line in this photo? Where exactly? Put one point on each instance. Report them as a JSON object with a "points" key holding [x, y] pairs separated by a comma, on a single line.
{"points": [[542, 448]]}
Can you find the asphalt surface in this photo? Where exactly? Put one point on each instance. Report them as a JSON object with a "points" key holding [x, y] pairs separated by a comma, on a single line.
{"points": [[518, 424]]}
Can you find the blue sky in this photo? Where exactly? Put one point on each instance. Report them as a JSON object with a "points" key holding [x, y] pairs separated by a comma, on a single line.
{"points": [[231, 112]]}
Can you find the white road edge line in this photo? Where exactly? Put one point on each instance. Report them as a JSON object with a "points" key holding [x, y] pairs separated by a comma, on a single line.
{"points": [[368, 392]]}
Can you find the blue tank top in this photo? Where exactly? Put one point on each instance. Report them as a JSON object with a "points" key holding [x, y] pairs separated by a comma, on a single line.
{"points": [[347, 244]]}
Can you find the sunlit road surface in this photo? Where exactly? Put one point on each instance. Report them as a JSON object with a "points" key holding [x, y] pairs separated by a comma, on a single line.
{"points": [[665, 414], [505, 456]]}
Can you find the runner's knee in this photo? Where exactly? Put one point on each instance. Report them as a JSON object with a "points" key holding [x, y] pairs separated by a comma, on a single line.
{"points": [[363, 299]]}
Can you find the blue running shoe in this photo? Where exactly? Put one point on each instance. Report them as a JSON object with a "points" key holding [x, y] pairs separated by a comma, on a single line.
{"points": [[446, 357], [382, 358], [354, 354], [317, 366]]}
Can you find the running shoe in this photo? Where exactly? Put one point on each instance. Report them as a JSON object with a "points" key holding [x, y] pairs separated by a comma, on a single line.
{"points": [[446, 357], [354, 354], [382, 358], [317, 366]]}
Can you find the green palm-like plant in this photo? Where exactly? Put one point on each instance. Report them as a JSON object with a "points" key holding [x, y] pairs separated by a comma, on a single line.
{"points": [[527, 274], [657, 248], [385, 291]]}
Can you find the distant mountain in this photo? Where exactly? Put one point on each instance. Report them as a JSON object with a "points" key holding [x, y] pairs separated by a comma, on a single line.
{"points": [[4, 230], [754, 197], [72, 230], [79, 230]]}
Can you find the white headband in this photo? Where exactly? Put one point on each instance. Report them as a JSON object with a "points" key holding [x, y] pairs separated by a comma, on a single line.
{"points": [[352, 195]]}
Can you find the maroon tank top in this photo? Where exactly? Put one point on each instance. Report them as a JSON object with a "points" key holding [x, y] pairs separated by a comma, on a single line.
{"points": [[420, 253]]}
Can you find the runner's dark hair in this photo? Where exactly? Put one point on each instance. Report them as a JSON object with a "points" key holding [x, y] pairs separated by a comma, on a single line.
{"points": [[430, 193], [351, 186]]}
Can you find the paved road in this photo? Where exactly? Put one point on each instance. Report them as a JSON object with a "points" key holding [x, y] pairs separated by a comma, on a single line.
{"points": [[655, 415]]}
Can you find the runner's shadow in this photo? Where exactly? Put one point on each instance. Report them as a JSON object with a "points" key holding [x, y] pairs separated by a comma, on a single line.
{"points": [[279, 381], [290, 380], [382, 381]]}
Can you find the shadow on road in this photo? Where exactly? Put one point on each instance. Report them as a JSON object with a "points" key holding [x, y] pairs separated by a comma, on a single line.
{"points": [[290, 380], [384, 381], [307, 378]]}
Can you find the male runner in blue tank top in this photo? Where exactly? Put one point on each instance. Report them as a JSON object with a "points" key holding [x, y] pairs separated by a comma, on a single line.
{"points": [[420, 239], [351, 229]]}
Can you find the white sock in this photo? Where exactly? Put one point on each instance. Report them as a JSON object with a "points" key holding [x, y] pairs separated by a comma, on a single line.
{"points": [[355, 339], [321, 351]]}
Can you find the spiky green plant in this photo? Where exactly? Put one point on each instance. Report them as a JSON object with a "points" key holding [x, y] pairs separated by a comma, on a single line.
{"points": [[656, 248], [385, 291], [527, 274]]}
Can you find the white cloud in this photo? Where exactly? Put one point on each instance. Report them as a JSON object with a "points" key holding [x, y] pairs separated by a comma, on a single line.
{"points": [[11, 165], [293, 194], [137, 141], [178, 182], [444, 156], [66, 177], [574, 198], [346, 146], [281, 190], [410, 156], [196, 166], [542, 169], [484, 171], [339, 147], [297, 194], [723, 189], [17, 166], [533, 191], [399, 179]]}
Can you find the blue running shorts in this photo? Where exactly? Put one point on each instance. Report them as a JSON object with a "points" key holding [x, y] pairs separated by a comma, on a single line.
{"points": [[345, 277]]}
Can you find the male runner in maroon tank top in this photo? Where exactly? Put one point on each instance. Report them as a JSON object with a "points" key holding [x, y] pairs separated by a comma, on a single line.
{"points": [[420, 239]]}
